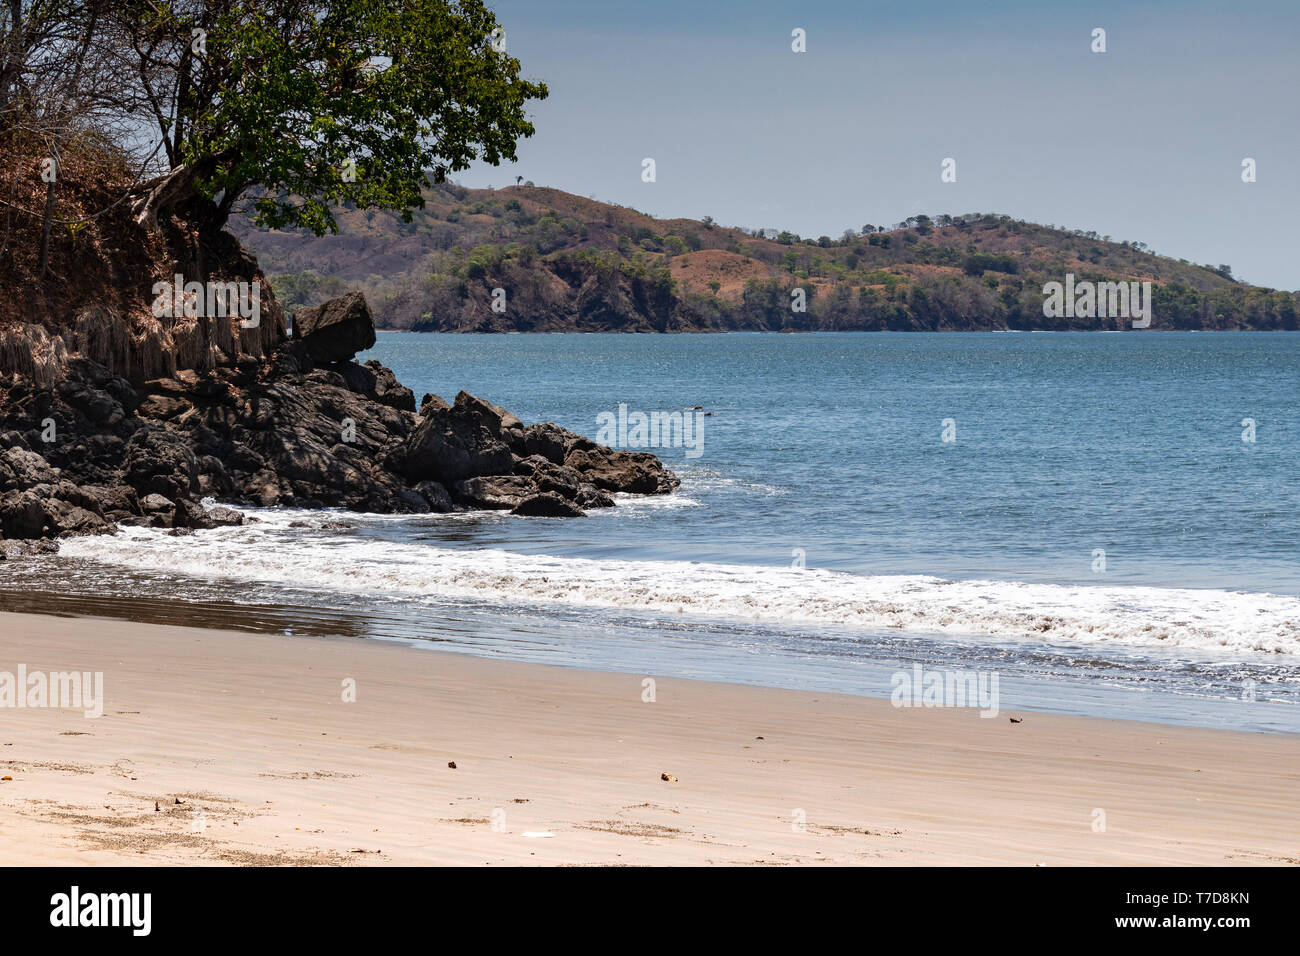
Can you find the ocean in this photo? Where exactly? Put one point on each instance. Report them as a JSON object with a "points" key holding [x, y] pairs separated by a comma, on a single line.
{"points": [[1107, 522]]}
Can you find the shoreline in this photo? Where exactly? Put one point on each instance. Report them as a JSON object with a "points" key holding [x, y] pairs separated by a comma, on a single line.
{"points": [[652, 332], [271, 766], [619, 651]]}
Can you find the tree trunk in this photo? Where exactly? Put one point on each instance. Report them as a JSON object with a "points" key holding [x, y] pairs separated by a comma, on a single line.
{"points": [[49, 210], [163, 193], [11, 68]]}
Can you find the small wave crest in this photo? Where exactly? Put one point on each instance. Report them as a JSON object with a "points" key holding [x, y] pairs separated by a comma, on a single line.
{"points": [[311, 551]]}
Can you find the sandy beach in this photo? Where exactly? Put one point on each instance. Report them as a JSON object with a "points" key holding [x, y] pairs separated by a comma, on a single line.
{"points": [[221, 747]]}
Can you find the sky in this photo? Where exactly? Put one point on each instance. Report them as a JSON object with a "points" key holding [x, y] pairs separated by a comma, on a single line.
{"points": [[1142, 142]]}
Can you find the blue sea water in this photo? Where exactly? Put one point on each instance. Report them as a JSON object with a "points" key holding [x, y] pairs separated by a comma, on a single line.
{"points": [[1097, 532], [833, 443]]}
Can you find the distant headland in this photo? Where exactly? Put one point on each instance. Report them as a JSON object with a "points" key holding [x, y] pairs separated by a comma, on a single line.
{"points": [[534, 259]]}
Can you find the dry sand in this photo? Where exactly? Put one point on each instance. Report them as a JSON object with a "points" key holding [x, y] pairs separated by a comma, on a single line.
{"points": [[270, 765]]}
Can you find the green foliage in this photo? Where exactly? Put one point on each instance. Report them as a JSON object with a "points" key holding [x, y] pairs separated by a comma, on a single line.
{"points": [[289, 94], [295, 290], [980, 262]]}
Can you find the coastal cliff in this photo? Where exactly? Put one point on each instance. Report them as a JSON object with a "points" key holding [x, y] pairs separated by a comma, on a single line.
{"points": [[308, 427], [112, 414]]}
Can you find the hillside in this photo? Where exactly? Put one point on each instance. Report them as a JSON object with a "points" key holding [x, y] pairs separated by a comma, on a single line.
{"points": [[95, 299], [569, 263]]}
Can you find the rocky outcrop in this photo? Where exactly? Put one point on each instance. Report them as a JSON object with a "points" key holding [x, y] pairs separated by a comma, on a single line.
{"points": [[308, 427], [336, 330]]}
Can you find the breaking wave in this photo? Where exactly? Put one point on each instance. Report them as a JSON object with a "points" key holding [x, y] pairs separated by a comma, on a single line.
{"points": [[303, 550]]}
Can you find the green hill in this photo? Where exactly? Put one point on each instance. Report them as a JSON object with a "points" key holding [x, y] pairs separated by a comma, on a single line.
{"points": [[567, 263]]}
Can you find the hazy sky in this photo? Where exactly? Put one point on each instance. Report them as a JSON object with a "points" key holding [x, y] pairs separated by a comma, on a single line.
{"points": [[1143, 142]]}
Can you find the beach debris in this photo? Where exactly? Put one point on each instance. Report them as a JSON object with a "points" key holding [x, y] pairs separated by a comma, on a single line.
{"points": [[451, 764], [668, 777], [6, 777], [179, 801], [157, 808], [1016, 720], [759, 738]]}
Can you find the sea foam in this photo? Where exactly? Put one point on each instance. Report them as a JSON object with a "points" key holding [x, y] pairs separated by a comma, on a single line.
{"points": [[343, 561]]}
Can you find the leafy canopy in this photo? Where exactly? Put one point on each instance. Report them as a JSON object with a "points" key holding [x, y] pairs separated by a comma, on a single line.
{"points": [[323, 103]]}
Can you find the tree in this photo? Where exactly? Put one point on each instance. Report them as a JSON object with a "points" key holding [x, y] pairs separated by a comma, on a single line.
{"points": [[317, 102], [62, 88]]}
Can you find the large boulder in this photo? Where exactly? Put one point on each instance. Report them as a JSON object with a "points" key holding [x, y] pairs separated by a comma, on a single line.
{"points": [[448, 447], [500, 492], [435, 496], [377, 382], [547, 505], [432, 403], [546, 439], [336, 330], [20, 469], [494, 418], [161, 462], [24, 514], [190, 514], [40, 513], [639, 473], [589, 496], [557, 479]]}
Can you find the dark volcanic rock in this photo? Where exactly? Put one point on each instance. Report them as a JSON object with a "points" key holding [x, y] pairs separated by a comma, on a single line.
{"points": [[376, 382], [589, 496], [637, 472], [20, 468], [308, 427], [23, 549], [501, 492], [547, 505], [161, 462], [557, 479], [39, 512], [545, 439], [336, 330], [436, 496], [448, 447], [191, 514], [432, 403], [24, 514], [492, 417]]}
